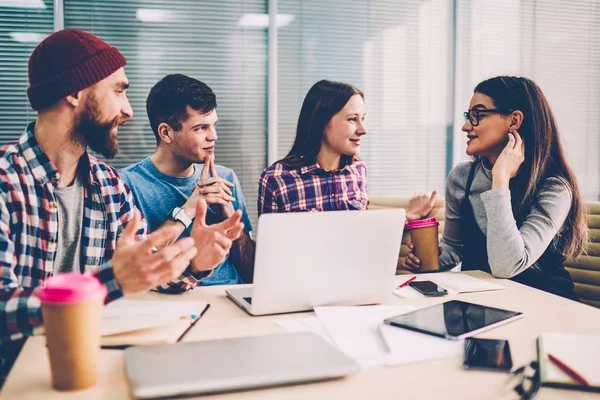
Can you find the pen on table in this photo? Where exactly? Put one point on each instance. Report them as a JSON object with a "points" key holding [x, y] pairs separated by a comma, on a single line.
{"points": [[195, 318], [568, 370], [407, 282]]}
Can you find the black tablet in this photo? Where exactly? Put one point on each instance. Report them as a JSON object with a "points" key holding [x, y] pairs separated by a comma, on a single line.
{"points": [[454, 319]]}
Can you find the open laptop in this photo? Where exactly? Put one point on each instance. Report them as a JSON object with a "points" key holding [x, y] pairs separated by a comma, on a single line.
{"points": [[313, 259], [233, 364]]}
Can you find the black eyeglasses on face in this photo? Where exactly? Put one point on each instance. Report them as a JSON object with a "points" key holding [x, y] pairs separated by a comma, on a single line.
{"points": [[475, 114]]}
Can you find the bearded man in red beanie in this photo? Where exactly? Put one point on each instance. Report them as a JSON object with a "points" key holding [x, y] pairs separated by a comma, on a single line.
{"points": [[62, 210]]}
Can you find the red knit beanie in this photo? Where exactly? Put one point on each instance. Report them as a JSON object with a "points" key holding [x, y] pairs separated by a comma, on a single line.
{"points": [[66, 62]]}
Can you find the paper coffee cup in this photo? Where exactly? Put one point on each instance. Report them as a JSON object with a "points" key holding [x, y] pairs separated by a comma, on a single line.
{"points": [[72, 312], [424, 236]]}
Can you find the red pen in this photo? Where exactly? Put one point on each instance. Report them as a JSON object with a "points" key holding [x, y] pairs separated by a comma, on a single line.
{"points": [[407, 282], [568, 370]]}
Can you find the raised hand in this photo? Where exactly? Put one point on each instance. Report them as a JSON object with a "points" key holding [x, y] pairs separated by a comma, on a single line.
{"points": [[213, 241], [420, 205], [139, 267]]}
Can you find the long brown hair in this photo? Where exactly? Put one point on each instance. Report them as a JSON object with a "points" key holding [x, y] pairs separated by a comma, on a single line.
{"points": [[323, 100], [544, 156]]}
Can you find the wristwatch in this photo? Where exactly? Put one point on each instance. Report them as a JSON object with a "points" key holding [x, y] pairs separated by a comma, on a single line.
{"points": [[177, 214]]}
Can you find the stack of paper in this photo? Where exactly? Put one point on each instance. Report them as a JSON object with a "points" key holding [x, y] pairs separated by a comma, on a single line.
{"points": [[451, 281], [129, 322], [361, 334]]}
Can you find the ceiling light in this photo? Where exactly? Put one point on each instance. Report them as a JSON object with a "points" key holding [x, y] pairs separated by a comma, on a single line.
{"points": [[153, 15], [262, 20], [28, 37], [23, 3]]}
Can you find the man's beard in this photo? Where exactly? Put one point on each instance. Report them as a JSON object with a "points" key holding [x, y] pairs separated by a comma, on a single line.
{"points": [[96, 134]]}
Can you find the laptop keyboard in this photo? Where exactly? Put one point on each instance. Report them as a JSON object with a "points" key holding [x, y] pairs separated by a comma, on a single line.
{"points": [[248, 299]]}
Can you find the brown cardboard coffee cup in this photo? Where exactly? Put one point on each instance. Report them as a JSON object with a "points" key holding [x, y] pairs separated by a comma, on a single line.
{"points": [[72, 312], [424, 236]]}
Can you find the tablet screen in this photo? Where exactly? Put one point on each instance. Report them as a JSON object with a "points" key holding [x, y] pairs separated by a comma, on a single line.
{"points": [[453, 319]]}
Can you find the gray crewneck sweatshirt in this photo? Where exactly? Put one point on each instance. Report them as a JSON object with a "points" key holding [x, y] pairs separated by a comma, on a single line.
{"points": [[510, 250]]}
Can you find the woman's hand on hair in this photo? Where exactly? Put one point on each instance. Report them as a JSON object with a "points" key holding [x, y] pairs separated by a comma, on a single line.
{"points": [[420, 205], [508, 163]]}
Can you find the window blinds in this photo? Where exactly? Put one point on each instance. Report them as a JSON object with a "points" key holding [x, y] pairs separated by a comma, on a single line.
{"points": [[555, 43], [399, 53], [205, 40], [23, 24]]}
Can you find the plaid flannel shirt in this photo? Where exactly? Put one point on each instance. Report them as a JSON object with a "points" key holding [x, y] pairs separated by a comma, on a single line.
{"points": [[29, 231], [311, 188]]}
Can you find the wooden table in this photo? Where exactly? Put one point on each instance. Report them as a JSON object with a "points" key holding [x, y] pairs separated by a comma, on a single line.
{"points": [[440, 379]]}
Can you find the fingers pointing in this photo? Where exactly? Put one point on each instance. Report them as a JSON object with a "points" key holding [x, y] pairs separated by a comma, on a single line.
{"points": [[205, 168]]}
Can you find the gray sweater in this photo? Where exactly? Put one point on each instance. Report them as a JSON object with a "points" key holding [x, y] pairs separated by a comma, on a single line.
{"points": [[510, 250]]}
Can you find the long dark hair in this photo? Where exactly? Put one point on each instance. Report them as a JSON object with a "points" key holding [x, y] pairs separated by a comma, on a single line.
{"points": [[544, 156], [323, 100]]}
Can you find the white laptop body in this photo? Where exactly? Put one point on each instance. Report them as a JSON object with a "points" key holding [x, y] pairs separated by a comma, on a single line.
{"points": [[313, 259], [184, 369]]}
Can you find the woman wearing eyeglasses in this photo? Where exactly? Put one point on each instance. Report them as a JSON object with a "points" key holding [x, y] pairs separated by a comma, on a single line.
{"points": [[515, 210], [322, 171]]}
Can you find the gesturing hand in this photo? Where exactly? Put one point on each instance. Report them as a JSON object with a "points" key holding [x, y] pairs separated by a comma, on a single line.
{"points": [[213, 241], [420, 205], [508, 162], [138, 267], [216, 190]]}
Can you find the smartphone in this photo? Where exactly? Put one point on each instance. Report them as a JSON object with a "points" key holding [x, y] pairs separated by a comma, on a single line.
{"points": [[487, 354], [428, 288]]}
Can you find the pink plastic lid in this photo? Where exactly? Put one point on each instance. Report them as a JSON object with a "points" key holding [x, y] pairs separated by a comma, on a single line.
{"points": [[71, 287], [422, 223]]}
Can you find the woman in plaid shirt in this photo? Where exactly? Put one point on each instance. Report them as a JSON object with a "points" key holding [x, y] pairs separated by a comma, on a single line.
{"points": [[322, 171]]}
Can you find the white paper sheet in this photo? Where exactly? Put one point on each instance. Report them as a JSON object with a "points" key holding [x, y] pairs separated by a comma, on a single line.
{"points": [[355, 329], [361, 333], [409, 347], [462, 283]]}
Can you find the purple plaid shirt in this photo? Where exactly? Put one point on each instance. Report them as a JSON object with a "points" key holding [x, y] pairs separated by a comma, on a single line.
{"points": [[29, 231], [311, 188]]}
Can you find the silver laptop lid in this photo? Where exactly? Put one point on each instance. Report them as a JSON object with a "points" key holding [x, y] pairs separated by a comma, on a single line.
{"points": [[233, 364], [325, 258]]}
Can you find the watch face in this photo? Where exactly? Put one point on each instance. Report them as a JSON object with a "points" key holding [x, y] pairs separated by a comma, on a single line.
{"points": [[179, 215]]}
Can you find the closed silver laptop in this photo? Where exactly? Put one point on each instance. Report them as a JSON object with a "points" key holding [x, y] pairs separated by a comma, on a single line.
{"points": [[313, 259], [233, 364]]}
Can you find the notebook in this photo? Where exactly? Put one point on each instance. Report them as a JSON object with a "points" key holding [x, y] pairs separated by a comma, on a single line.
{"points": [[145, 322], [453, 282], [580, 353]]}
